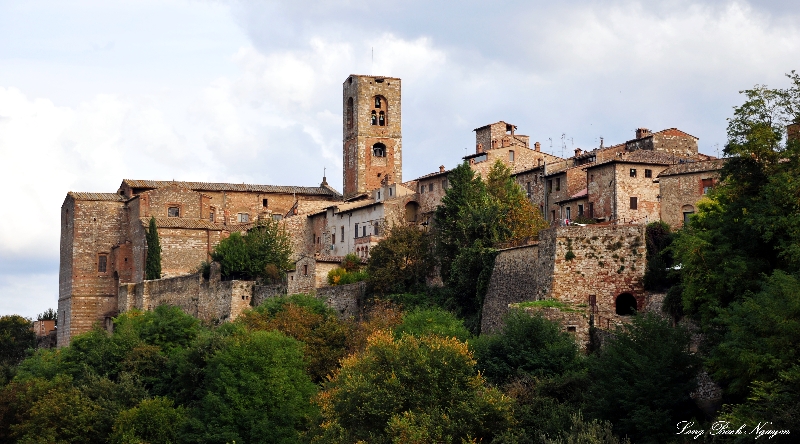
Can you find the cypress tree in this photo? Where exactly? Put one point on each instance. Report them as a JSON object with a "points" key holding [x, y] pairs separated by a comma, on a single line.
{"points": [[152, 267]]}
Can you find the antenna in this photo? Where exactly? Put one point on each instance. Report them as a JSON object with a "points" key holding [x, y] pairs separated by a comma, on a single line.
{"points": [[551, 144], [372, 65], [563, 143]]}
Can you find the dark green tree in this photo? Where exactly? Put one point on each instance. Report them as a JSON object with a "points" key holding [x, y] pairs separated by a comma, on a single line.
{"points": [[16, 338], [401, 262], [642, 378], [152, 268], [263, 253], [749, 226]]}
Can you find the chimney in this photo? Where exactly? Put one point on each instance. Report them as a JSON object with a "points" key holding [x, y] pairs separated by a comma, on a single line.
{"points": [[537, 146], [601, 143], [642, 133], [478, 148], [577, 152], [441, 168], [793, 132]]}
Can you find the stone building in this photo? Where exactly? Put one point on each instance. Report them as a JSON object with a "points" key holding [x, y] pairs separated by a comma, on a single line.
{"points": [[103, 244], [682, 185], [103, 235], [371, 126]]}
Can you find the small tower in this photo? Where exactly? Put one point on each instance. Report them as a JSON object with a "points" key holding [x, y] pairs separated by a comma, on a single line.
{"points": [[372, 142]]}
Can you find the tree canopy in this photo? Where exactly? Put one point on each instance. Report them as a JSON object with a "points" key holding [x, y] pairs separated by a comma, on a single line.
{"points": [[263, 253]]}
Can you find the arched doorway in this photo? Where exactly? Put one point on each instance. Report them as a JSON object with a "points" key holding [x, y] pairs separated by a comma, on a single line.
{"points": [[411, 212], [625, 305]]}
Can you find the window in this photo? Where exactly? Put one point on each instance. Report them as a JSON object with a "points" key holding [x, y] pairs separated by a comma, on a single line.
{"points": [[707, 185], [572, 328], [374, 119], [422, 189], [553, 215], [305, 270], [580, 210], [481, 158], [342, 237], [173, 212], [382, 118], [569, 213], [277, 217], [528, 188], [648, 173], [376, 230], [318, 240], [390, 192], [430, 187], [549, 185], [591, 209], [349, 112], [264, 202], [633, 172], [243, 218], [686, 215], [379, 150], [333, 238], [444, 184], [379, 194], [356, 231], [511, 156], [102, 263], [634, 203], [364, 232], [211, 216], [558, 183]]}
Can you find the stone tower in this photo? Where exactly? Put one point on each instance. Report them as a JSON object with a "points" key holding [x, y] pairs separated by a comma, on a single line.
{"points": [[372, 137]]}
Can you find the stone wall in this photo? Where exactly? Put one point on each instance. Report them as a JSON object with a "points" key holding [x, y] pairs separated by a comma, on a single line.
{"points": [[345, 299], [263, 292], [208, 300], [574, 321], [648, 208], [574, 265], [681, 191]]}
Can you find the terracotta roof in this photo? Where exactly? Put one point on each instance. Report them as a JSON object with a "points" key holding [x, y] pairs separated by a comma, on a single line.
{"points": [[693, 167], [341, 208], [111, 197], [577, 196], [643, 156], [428, 176], [211, 186], [193, 224]]}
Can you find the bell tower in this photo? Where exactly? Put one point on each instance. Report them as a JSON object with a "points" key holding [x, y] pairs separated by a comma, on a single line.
{"points": [[372, 145]]}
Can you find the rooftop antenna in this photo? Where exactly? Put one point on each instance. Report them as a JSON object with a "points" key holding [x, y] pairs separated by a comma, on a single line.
{"points": [[372, 65], [551, 144], [563, 143]]}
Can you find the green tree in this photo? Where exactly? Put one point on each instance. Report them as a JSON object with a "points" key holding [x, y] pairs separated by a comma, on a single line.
{"points": [[749, 226], [152, 267], [263, 253], [527, 345], [411, 389], [154, 421], [642, 378], [432, 321], [16, 338], [517, 216], [255, 390], [401, 262]]}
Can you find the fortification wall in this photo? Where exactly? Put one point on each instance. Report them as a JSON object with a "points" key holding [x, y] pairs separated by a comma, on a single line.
{"points": [[263, 292], [345, 299]]}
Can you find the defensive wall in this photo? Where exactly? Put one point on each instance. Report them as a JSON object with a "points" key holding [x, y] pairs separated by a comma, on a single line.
{"points": [[595, 271]]}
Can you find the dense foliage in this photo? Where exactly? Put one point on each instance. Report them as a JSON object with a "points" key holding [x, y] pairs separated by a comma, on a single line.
{"points": [[263, 253], [152, 266], [476, 217], [16, 337], [401, 262]]}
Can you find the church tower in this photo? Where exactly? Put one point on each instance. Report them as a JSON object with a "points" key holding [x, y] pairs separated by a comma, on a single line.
{"points": [[372, 138]]}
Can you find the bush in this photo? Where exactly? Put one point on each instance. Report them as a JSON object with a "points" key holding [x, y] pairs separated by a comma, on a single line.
{"points": [[340, 276], [401, 262], [432, 321], [263, 253]]}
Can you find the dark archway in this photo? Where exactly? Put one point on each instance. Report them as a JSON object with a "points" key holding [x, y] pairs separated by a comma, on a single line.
{"points": [[379, 150], [625, 304], [412, 208]]}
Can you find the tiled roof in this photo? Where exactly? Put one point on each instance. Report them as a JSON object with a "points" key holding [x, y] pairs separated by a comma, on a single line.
{"points": [[644, 156], [111, 197], [577, 196], [193, 224], [438, 173], [693, 167], [210, 186], [341, 208]]}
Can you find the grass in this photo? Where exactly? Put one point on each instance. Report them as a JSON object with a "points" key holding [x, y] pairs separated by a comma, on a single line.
{"points": [[547, 303]]}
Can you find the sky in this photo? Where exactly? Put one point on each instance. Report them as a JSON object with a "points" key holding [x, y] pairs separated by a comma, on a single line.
{"points": [[93, 92]]}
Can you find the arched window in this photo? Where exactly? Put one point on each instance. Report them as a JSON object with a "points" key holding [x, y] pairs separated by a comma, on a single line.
{"points": [[349, 112], [378, 102], [374, 119], [382, 119], [379, 150], [625, 304]]}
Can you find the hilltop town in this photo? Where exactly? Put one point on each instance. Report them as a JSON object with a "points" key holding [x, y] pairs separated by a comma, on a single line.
{"points": [[616, 190]]}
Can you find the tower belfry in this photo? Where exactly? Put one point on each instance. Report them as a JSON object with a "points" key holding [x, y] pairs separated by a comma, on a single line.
{"points": [[372, 138]]}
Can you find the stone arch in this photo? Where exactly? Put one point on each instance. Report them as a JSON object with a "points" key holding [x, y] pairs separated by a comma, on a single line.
{"points": [[687, 209], [412, 209], [625, 304], [379, 150]]}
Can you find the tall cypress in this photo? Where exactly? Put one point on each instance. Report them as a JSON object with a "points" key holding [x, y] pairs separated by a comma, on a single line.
{"points": [[152, 268]]}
